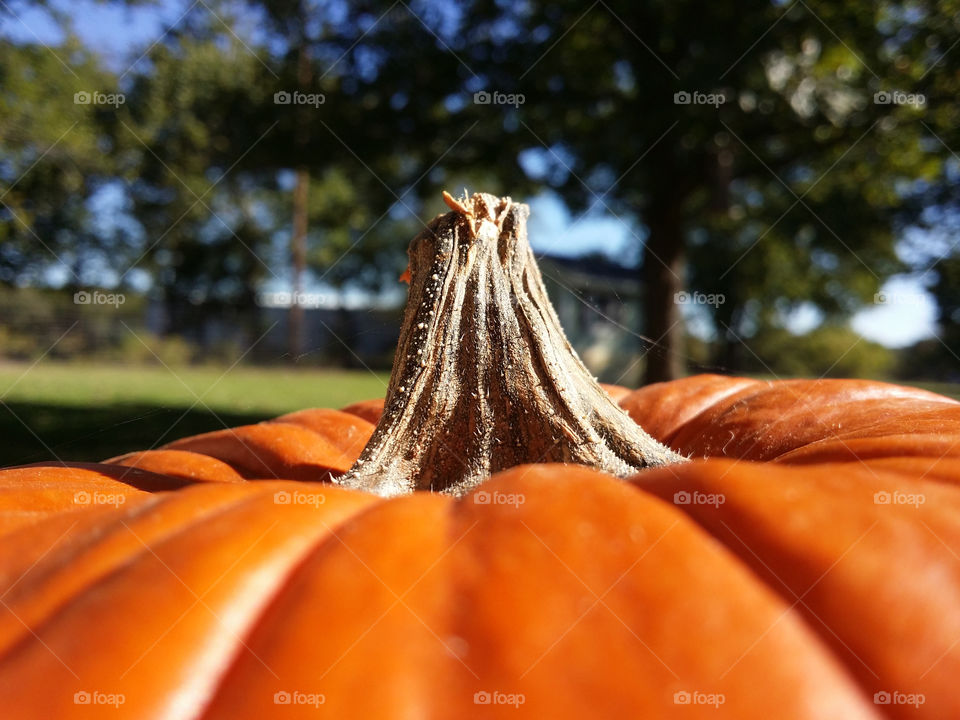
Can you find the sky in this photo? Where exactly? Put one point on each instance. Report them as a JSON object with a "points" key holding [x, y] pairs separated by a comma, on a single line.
{"points": [[902, 313]]}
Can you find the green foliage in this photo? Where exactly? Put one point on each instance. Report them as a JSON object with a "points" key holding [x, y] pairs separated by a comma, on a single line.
{"points": [[931, 359], [147, 349], [794, 190], [41, 321], [939, 357], [946, 289], [187, 122], [55, 153], [213, 157], [828, 351]]}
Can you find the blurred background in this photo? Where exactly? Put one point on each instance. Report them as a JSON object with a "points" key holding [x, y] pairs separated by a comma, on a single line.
{"points": [[205, 206]]}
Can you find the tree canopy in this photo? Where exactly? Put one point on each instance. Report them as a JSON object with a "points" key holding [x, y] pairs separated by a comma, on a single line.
{"points": [[773, 156]]}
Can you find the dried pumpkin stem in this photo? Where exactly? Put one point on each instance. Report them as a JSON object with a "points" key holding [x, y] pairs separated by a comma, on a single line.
{"points": [[484, 378]]}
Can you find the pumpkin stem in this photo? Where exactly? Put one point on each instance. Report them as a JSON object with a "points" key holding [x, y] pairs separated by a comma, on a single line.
{"points": [[484, 378]]}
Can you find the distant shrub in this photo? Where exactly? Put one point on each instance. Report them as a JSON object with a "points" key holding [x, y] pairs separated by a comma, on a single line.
{"points": [[34, 322], [828, 351], [148, 349], [933, 359]]}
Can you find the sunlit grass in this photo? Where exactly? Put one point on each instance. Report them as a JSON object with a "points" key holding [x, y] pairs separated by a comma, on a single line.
{"points": [[84, 411], [242, 389], [74, 411]]}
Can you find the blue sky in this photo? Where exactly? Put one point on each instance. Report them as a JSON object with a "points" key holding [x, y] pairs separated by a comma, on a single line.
{"points": [[904, 311]]}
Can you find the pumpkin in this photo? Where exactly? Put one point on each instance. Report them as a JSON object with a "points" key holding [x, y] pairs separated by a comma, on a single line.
{"points": [[499, 538]]}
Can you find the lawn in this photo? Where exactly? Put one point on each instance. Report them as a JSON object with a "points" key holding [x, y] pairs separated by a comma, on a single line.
{"points": [[91, 412], [944, 388]]}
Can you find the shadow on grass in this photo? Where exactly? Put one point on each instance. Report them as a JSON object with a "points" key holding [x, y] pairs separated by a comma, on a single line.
{"points": [[32, 432]]}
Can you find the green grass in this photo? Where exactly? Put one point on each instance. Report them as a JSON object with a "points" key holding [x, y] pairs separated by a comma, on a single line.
{"points": [[91, 412], [951, 390]]}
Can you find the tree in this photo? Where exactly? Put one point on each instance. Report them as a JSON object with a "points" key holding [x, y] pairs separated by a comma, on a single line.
{"points": [[212, 148], [300, 101], [56, 156], [745, 151], [743, 147]]}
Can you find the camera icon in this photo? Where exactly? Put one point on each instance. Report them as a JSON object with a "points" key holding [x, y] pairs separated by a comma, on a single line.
{"points": [[481, 698], [81, 98], [882, 98], [481, 97], [281, 497], [81, 497], [682, 98], [81, 697], [282, 97], [681, 298], [681, 697], [881, 698], [81, 298], [281, 697], [681, 498], [880, 298], [481, 498], [881, 498]]}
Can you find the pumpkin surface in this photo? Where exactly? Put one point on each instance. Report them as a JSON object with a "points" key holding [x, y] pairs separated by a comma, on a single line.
{"points": [[790, 550], [812, 586]]}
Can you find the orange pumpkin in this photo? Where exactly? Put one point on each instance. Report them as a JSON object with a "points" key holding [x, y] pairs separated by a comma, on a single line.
{"points": [[804, 563]]}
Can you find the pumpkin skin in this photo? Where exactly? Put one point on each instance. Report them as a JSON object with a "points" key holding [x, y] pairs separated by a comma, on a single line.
{"points": [[798, 421], [201, 594], [803, 565]]}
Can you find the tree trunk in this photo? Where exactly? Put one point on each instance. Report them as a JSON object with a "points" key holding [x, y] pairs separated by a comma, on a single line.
{"points": [[298, 251], [662, 275], [298, 239], [728, 354]]}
